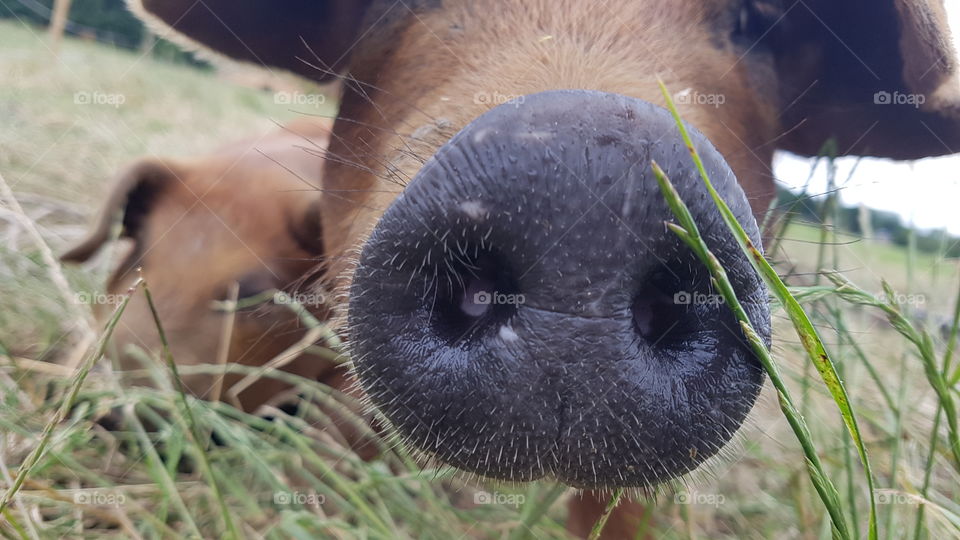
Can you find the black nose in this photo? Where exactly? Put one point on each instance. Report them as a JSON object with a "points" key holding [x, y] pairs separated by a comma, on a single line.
{"points": [[521, 310]]}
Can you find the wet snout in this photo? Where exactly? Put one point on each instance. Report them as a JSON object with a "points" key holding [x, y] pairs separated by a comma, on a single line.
{"points": [[521, 310]]}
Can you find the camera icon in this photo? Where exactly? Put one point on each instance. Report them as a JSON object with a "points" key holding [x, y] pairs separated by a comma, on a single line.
{"points": [[482, 298], [482, 497], [882, 98], [682, 298], [684, 497], [82, 498], [283, 98], [282, 497]]}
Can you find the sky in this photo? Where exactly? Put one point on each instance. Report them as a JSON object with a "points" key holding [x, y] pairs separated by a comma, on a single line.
{"points": [[925, 192]]}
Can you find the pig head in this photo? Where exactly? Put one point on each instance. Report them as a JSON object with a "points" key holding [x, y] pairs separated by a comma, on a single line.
{"points": [[512, 299]]}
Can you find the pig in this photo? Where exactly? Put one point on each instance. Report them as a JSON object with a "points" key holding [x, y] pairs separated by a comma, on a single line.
{"points": [[513, 303], [236, 224]]}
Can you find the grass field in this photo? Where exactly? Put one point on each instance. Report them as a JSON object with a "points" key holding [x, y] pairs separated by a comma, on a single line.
{"points": [[64, 134]]}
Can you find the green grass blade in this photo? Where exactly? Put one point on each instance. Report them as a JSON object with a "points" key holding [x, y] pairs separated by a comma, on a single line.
{"points": [[15, 525], [934, 431], [805, 330], [690, 235], [163, 477], [27, 467], [534, 510], [191, 427], [602, 522], [921, 340]]}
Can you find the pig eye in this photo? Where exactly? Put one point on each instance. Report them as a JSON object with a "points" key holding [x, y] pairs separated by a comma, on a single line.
{"points": [[754, 21], [253, 285]]}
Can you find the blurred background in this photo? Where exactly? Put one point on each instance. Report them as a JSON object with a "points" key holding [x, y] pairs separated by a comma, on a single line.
{"points": [[88, 89], [77, 109]]}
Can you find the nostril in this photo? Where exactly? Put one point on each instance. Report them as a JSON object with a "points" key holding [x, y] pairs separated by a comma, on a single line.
{"points": [[660, 310], [471, 293], [655, 316]]}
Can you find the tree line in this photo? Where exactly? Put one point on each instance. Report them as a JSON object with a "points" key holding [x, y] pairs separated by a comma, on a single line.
{"points": [[859, 221], [106, 21]]}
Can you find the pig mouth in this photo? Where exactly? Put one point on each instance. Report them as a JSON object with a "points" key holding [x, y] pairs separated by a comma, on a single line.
{"points": [[521, 311]]}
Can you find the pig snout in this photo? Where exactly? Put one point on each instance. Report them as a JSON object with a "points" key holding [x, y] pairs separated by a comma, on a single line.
{"points": [[522, 311]]}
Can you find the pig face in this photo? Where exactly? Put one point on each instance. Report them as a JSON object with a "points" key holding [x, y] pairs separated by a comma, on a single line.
{"points": [[514, 304], [236, 224]]}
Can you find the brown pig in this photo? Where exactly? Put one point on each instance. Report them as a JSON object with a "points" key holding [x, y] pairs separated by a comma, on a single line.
{"points": [[236, 224], [514, 305]]}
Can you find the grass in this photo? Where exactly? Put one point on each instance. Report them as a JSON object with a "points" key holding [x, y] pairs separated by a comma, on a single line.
{"points": [[812, 344], [160, 475]]}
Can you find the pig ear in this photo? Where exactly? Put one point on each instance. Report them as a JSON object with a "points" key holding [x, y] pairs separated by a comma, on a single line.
{"points": [[878, 76], [312, 38], [130, 200]]}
